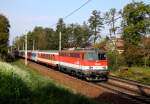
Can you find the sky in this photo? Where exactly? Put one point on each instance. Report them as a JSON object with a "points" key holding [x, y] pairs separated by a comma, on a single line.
{"points": [[24, 15]]}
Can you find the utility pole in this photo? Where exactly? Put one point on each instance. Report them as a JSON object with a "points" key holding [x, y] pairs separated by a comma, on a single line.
{"points": [[26, 50], [60, 41]]}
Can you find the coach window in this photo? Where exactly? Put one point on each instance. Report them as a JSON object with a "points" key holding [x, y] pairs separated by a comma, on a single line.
{"points": [[62, 54], [71, 55], [102, 56], [78, 55]]}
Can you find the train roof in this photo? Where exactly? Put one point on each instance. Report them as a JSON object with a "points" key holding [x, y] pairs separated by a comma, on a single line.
{"points": [[71, 51], [83, 51]]}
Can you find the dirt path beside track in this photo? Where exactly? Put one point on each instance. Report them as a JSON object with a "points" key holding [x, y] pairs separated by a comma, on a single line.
{"points": [[78, 86]]}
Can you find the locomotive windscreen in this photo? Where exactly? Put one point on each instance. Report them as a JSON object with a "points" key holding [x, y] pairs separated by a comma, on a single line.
{"points": [[95, 56]]}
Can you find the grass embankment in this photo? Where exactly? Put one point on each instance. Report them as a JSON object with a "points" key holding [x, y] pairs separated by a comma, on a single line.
{"points": [[21, 85], [141, 74]]}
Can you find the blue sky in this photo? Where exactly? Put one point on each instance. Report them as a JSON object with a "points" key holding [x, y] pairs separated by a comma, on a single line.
{"points": [[24, 15]]}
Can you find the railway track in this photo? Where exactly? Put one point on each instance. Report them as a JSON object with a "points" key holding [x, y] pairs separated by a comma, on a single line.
{"points": [[132, 90]]}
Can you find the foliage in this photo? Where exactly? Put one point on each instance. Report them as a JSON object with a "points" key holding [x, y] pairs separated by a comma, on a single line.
{"points": [[102, 44], [136, 21], [21, 85], [40, 36], [133, 55], [96, 23], [4, 36], [141, 74], [78, 35], [111, 19], [112, 58], [73, 35]]}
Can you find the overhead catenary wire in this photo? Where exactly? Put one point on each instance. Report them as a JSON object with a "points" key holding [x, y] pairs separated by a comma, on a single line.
{"points": [[71, 13], [74, 11]]}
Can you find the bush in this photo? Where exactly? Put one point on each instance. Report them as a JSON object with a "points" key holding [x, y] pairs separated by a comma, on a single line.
{"points": [[115, 60], [21, 85], [134, 55]]}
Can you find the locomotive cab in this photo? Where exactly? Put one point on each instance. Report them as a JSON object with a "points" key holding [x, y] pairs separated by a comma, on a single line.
{"points": [[94, 66]]}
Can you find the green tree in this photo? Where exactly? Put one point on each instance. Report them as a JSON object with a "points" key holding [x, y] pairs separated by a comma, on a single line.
{"points": [[78, 32], [111, 18], [39, 38], [96, 23], [136, 16], [49, 38], [4, 36], [136, 19], [77, 35], [71, 36], [86, 34], [31, 41]]}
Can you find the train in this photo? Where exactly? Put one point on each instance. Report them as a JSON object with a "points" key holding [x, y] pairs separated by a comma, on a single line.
{"points": [[91, 65]]}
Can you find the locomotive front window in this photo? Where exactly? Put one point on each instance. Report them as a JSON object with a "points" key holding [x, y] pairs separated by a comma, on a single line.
{"points": [[94, 56], [91, 56], [102, 56]]}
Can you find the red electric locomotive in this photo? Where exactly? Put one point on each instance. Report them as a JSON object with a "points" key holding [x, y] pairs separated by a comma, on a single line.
{"points": [[91, 65]]}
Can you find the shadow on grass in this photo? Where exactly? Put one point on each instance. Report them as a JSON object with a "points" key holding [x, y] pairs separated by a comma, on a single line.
{"points": [[14, 91]]}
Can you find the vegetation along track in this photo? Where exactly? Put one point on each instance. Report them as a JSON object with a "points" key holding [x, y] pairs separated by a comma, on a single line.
{"points": [[127, 88], [85, 88], [98, 91]]}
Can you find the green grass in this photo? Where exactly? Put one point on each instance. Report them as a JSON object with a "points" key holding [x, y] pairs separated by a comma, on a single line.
{"points": [[141, 74], [21, 85]]}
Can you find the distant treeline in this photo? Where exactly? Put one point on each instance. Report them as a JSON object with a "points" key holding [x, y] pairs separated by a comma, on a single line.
{"points": [[73, 35]]}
